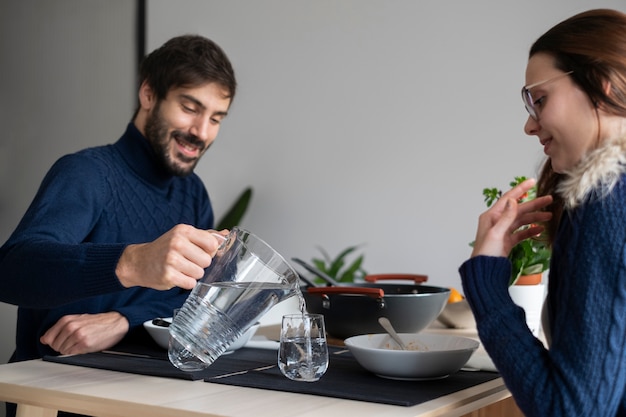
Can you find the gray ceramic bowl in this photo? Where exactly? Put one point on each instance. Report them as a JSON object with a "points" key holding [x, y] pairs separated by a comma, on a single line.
{"points": [[429, 356]]}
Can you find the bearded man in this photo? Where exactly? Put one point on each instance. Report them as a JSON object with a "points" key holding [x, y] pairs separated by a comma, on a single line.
{"points": [[119, 234]]}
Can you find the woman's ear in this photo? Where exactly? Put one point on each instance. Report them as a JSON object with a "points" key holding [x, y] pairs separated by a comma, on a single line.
{"points": [[606, 85]]}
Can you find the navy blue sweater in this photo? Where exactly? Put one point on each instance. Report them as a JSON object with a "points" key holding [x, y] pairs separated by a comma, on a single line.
{"points": [[61, 259], [583, 373]]}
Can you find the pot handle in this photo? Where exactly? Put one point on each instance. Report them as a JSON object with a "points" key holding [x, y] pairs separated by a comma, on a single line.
{"points": [[370, 292], [417, 278]]}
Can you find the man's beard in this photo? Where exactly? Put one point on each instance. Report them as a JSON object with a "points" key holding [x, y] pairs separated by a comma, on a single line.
{"points": [[157, 135]]}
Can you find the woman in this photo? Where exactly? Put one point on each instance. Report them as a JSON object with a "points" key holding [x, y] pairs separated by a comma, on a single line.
{"points": [[576, 98]]}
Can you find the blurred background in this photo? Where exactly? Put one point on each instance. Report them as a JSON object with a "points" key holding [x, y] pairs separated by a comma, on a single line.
{"points": [[357, 122]]}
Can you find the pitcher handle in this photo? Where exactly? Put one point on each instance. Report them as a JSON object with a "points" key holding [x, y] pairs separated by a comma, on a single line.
{"points": [[224, 240]]}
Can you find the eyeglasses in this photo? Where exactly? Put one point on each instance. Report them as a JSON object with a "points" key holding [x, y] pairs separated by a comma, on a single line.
{"points": [[527, 97]]}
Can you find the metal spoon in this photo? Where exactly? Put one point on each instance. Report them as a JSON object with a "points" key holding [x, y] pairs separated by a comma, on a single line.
{"points": [[384, 321]]}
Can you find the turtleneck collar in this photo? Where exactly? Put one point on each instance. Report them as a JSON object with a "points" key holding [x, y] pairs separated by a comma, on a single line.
{"points": [[140, 158]]}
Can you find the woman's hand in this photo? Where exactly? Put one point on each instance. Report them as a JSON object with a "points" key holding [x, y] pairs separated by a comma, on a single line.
{"points": [[498, 227]]}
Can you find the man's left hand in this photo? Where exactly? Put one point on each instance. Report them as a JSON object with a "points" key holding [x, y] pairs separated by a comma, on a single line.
{"points": [[85, 333]]}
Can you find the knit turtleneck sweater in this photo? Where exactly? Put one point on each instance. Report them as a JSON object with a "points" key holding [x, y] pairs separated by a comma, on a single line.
{"points": [[583, 373], [61, 259]]}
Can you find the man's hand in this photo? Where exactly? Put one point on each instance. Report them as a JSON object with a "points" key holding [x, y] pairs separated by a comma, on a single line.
{"points": [[176, 259], [84, 333]]}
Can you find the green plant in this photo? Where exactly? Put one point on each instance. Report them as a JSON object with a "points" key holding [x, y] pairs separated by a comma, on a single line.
{"points": [[336, 267], [236, 212], [530, 256]]}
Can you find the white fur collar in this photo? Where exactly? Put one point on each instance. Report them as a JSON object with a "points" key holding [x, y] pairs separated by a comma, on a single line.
{"points": [[597, 173]]}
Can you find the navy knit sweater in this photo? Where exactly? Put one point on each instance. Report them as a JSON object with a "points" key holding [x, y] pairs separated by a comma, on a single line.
{"points": [[61, 259], [584, 371]]}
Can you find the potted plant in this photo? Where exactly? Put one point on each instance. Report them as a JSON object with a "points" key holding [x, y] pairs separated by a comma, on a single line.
{"points": [[530, 257], [337, 268]]}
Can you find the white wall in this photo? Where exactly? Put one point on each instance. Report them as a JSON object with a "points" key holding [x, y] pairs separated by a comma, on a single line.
{"points": [[374, 122]]}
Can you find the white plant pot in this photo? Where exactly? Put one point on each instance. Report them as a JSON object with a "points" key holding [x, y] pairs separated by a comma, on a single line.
{"points": [[530, 298]]}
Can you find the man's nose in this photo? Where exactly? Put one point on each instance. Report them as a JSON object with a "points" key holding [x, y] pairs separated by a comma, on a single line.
{"points": [[202, 128]]}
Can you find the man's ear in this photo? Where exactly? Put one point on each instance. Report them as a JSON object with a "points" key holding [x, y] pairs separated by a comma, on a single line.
{"points": [[147, 97]]}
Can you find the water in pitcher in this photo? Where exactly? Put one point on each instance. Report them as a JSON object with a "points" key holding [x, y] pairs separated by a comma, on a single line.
{"points": [[216, 314]]}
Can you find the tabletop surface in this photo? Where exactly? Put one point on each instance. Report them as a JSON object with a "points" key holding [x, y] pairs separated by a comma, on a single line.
{"points": [[42, 387]]}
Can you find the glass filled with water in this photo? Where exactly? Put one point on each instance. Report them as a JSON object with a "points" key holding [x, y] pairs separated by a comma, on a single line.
{"points": [[303, 353]]}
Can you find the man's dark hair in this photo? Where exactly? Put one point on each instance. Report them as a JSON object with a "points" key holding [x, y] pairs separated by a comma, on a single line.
{"points": [[188, 60]]}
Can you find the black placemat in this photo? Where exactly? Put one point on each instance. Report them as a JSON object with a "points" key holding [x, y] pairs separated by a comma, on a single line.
{"points": [[125, 362], [345, 378]]}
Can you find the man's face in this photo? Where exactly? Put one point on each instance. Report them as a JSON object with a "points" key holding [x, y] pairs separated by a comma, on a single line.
{"points": [[182, 126]]}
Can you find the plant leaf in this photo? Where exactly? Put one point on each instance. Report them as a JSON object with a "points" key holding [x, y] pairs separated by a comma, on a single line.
{"points": [[491, 195], [339, 262], [350, 273], [236, 212], [334, 266]]}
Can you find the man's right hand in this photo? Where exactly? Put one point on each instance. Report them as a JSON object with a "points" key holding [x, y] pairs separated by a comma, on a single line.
{"points": [[176, 259]]}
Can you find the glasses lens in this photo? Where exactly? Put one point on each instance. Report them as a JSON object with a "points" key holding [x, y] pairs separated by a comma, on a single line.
{"points": [[528, 103]]}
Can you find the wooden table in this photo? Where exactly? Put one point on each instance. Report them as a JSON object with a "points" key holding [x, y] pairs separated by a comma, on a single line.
{"points": [[41, 388]]}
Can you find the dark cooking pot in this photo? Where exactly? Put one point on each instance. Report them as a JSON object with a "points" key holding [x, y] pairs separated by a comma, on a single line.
{"points": [[355, 309]]}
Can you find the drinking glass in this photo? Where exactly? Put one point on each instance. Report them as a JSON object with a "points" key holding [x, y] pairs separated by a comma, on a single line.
{"points": [[303, 353], [180, 357]]}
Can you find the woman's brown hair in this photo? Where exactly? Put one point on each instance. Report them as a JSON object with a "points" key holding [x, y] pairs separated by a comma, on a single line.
{"points": [[592, 44]]}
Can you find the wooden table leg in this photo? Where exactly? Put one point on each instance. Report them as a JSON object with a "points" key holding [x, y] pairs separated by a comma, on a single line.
{"points": [[25, 410]]}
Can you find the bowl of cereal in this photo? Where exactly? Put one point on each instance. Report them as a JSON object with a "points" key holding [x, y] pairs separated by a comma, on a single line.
{"points": [[427, 356]]}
